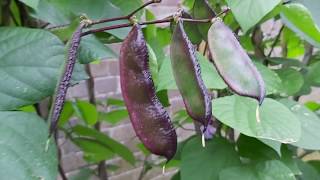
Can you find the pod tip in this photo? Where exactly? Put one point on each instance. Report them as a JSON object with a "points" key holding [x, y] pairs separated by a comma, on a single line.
{"points": [[164, 169], [203, 140], [258, 114], [47, 145]]}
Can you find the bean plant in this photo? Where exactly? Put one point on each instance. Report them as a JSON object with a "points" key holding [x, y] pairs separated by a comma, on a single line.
{"points": [[240, 67]]}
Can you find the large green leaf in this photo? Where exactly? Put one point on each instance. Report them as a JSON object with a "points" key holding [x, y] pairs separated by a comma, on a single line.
{"points": [[202, 163], [31, 3], [250, 12], [114, 116], [91, 49], [299, 19], [292, 80], [86, 111], [310, 124], [312, 76], [276, 121], [270, 78], [264, 170], [105, 141], [23, 139], [210, 76], [308, 171], [313, 7], [59, 12], [30, 61]]}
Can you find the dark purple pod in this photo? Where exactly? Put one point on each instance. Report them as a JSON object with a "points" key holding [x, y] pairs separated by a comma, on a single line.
{"points": [[64, 81], [187, 74], [150, 120], [233, 63]]}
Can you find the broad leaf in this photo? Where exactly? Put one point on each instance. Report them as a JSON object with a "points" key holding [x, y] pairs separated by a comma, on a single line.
{"points": [[206, 163], [23, 139], [114, 116], [31, 3], [292, 80], [93, 150], [299, 19], [106, 141], [86, 111], [250, 12], [276, 121], [313, 7], [59, 12], [29, 74], [261, 171], [308, 171], [209, 75], [310, 124], [270, 78]]}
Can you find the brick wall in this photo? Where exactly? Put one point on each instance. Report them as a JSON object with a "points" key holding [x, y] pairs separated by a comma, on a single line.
{"points": [[107, 85]]}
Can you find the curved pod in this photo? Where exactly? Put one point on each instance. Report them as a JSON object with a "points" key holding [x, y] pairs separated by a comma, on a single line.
{"points": [[233, 63], [187, 74], [150, 120], [64, 81]]}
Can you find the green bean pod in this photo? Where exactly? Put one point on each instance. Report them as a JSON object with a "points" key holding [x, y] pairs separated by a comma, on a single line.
{"points": [[187, 74], [233, 63]]}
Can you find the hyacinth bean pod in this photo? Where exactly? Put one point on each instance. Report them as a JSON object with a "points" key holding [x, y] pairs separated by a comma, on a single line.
{"points": [[233, 63], [187, 74], [150, 120], [64, 81]]}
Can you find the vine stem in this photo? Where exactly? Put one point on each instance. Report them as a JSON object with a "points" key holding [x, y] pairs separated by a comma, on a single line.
{"points": [[166, 20], [102, 170], [94, 22]]}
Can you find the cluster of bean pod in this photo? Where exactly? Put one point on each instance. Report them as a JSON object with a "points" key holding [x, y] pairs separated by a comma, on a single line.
{"points": [[149, 118]]}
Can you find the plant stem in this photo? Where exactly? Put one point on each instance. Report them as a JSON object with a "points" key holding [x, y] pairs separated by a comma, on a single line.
{"points": [[102, 169], [94, 22], [275, 42]]}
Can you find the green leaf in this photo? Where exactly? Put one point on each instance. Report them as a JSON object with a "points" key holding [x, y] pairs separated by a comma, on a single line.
{"points": [[66, 113], [210, 76], [310, 124], [128, 6], [115, 102], [23, 138], [295, 45], [313, 106], [86, 111], [277, 122], [31, 3], [275, 145], [285, 62], [153, 64], [59, 12], [29, 74], [312, 75], [292, 80], [91, 49], [114, 116], [313, 7], [299, 19], [93, 150], [264, 170], [83, 174], [249, 12], [206, 163], [202, 10], [254, 149], [270, 78], [106, 141], [308, 171]]}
